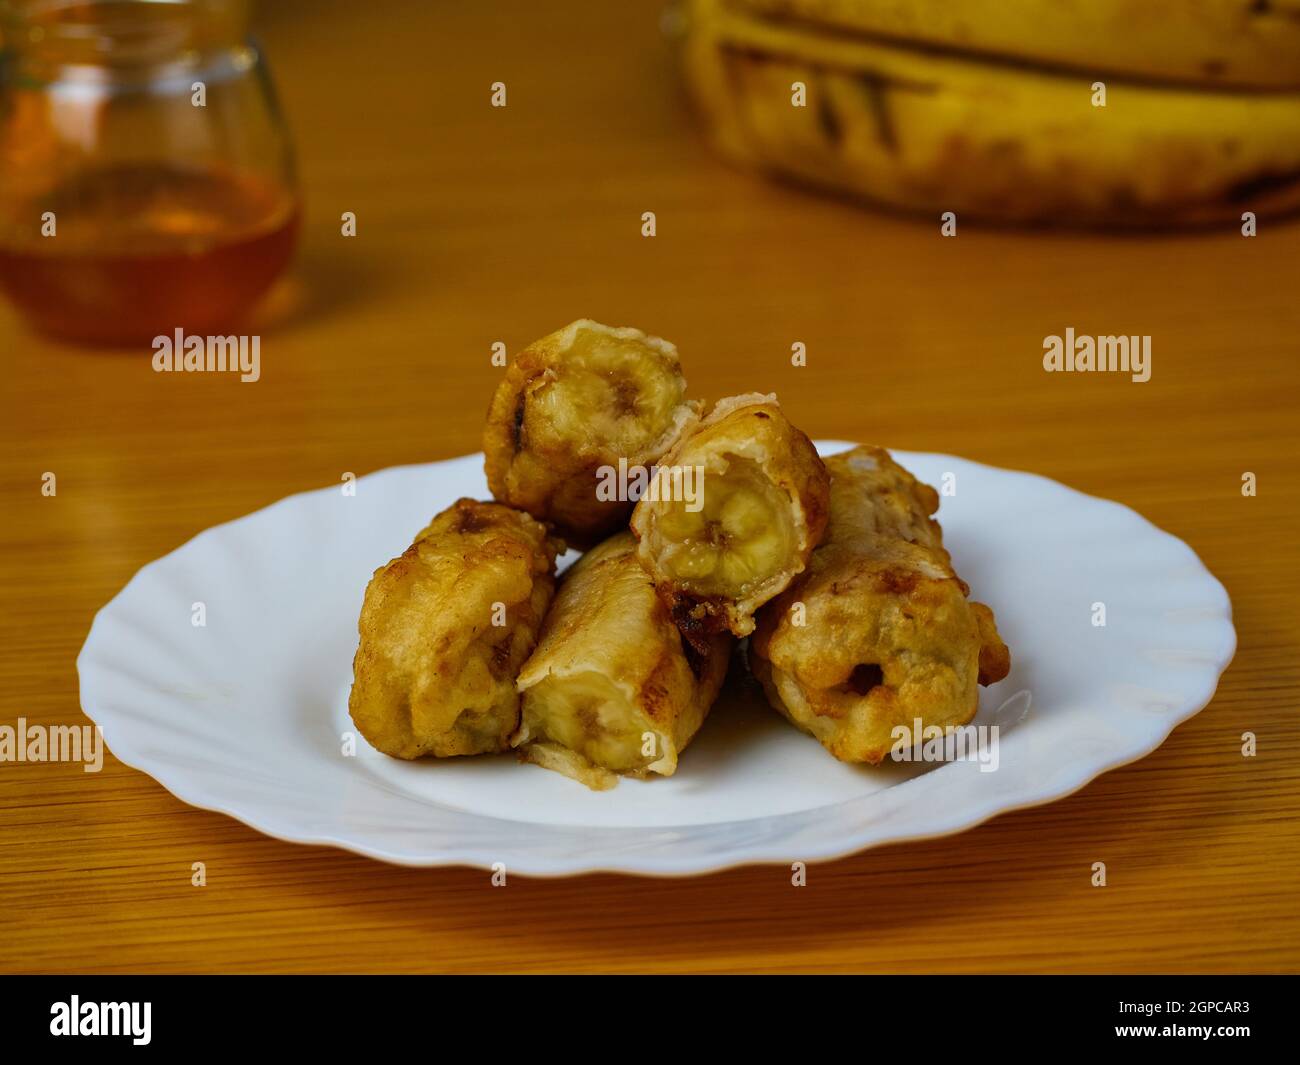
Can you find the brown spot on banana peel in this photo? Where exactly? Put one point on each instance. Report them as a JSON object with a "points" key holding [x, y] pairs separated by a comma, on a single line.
{"points": [[812, 27], [1269, 7], [821, 66], [1266, 7], [731, 71], [877, 89], [1132, 213], [1261, 185], [877, 85], [827, 119]]}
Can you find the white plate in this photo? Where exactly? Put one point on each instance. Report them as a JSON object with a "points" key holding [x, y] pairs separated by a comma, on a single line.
{"points": [[246, 714]]}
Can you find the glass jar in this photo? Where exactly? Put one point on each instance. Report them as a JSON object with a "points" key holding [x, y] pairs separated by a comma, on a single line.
{"points": [[146, 176]]}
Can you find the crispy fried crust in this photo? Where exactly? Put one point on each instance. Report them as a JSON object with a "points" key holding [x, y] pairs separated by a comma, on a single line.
{"points": [[745, 446], [576, 401], [435, 671], [878, 632], [612, 688]]}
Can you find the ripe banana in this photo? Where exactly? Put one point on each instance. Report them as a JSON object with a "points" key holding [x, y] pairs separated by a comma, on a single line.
{"points": [[933, 132], [1240, 43]]}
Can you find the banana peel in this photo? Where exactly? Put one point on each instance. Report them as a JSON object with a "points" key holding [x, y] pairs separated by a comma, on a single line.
{"points": [[936, 132], [1251, 44]]}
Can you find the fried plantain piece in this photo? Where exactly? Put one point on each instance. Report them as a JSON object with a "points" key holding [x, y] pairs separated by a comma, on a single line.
{"points": [[759, 510], [444, 630], [572, 404], [612, 688], [878, 633]]}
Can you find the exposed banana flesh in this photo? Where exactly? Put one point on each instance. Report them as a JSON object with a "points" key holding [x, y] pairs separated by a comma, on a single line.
{"points": [[1214, 43], [611, 688], [445, 628], [760, 512], [878, 633], [933, 131], [572, 403]]}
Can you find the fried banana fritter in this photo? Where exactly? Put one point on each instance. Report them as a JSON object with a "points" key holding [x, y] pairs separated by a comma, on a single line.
{"points": [[445, 628], [879, 632], [612, 688], [760, 510], [576, 401]]}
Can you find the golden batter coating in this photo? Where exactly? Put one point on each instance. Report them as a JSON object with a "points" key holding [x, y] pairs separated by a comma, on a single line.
{"points": [[573, 403], [612, 688], [445, 628], [759, 512], [878, 633]]}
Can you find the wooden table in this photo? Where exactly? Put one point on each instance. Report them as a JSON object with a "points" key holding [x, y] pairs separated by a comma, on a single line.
{"points": [[479, 224]]}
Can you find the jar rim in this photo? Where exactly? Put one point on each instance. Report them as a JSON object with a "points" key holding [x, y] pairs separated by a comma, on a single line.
{"points": [[110, 31]]}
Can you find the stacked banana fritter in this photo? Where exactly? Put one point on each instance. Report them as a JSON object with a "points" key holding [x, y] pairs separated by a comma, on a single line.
{"points": [[467, 647]]}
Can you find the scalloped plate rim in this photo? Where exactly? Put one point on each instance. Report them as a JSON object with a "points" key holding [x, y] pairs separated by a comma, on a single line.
{"points": [[664, 865]]}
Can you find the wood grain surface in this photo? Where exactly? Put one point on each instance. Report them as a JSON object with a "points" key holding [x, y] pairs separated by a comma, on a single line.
{"points": [[478, 224]]}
